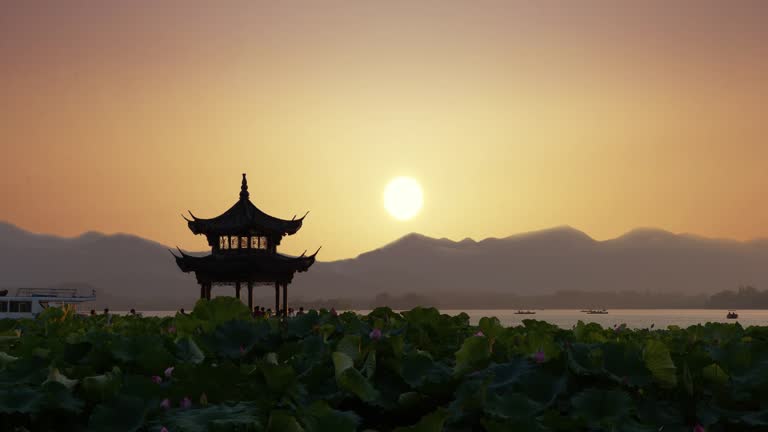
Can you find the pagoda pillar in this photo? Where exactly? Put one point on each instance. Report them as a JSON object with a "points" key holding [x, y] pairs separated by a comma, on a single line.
{"points": [[208, 290], [250, 296], [202, 290], [277, 297], [285, 299], [237, 290]]}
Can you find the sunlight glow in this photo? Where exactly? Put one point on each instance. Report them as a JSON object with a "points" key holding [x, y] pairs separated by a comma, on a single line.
{"points": [[403, 198]]}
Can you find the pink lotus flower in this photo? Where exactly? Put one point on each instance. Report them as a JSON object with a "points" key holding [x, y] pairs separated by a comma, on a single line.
{"points": [[163, 429], [538, 357], [480, 333], [375, 334], [171, 329], [185, 403], [156, 379], [242, 350], [165, 404], [699, 428], [169, 371]]}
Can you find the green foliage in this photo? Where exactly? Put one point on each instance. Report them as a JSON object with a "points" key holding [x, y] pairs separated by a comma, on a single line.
{"points": [[715, 374], [234, 417], [187, 351], [602, 407], [432, 422], [658, 361], [218, 369], [121, 414], [473, 354], [219, 310]]}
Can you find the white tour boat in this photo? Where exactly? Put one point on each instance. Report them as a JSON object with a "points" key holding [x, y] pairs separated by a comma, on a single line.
{"points": [[29, 302]]}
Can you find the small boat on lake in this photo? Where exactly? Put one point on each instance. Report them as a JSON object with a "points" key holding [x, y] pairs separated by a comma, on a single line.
{"points": [[29, 302], [525, 312], [597, 312], [732, 315]]}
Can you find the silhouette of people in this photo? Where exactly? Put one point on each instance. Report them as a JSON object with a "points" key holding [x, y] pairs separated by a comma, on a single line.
{"points": [[133, 311], [93, 312], [181, 311], [301, 311]]}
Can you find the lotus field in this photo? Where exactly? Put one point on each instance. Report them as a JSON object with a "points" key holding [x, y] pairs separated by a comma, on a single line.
{"points": [[218, 369]]}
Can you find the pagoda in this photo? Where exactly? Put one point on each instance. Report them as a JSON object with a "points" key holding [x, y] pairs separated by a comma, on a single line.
{"points": [[244, 244]]}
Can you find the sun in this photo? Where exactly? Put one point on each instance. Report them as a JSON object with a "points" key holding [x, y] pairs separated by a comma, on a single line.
{"points": [[403, 198]]}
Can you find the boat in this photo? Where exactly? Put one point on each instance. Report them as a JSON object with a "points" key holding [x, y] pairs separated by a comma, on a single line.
{"points": [[30, 302], [597, 312], [525, 312], [732, 315]]}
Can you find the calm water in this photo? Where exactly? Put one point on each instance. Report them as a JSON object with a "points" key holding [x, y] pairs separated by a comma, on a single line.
{"points": [[635, 318]]}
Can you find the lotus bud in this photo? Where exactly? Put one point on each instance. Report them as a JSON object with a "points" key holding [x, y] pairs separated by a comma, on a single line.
{"points": [[165, 404], [375, 334], [539, 357], [185, 403], [156, 379], [169, 371]]}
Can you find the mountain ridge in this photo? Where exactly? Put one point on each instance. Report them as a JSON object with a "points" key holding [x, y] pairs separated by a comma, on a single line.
{"points": [[136, 272]]}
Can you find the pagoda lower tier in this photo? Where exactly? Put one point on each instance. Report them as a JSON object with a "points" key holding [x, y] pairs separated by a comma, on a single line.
{"points": [[255, 268], [252, 267]]}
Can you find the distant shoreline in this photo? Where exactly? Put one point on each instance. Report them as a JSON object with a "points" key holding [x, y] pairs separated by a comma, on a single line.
{"points": [[567, 318]]}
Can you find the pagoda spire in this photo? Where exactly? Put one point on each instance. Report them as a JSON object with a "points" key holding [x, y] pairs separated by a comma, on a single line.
{"points": [[244, 189]]}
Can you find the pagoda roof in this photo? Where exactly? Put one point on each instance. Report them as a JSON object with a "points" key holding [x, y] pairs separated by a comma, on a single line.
{"points": [[244, 217], [255, 266]]}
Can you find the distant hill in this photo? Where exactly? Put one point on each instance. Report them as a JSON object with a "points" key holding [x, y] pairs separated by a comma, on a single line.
{"points": [[129, 271], [545, 262]]}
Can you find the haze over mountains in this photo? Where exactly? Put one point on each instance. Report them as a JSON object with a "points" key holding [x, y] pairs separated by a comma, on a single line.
{"points": [[129, 271]]}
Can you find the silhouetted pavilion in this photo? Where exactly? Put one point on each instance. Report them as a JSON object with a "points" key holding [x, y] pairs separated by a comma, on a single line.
{"points": [[244, 244]]}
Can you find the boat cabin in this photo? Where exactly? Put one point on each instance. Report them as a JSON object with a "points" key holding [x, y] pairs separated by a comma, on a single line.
{"points": [[30, 302]]}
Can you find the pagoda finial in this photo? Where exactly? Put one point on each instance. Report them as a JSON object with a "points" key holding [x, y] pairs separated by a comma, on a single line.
{"points": [[244, 189]]}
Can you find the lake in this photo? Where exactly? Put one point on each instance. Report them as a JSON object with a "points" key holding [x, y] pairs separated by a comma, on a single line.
{"points": [[634, 318]]}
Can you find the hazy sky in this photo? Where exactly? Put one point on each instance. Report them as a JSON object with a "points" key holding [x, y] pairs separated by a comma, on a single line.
{"points": [[118, 116]]}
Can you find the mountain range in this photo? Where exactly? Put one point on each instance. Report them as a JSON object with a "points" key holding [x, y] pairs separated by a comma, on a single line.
{"points": [[129, 271]]}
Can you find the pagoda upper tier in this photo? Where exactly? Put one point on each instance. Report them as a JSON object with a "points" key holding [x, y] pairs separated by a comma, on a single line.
{"points": [[244, 218]]}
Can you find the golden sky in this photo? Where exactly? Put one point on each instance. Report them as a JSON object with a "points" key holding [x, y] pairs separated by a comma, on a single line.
{"points": [[118, 116]]}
